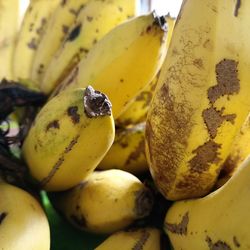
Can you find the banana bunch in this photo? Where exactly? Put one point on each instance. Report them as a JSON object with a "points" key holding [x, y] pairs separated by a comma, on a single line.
{"points": [[218, 221], [116, 64], [143, 239], [69, 137], [105, 202], [9, 20], [127, 152], [92, 23], [201, 99], [30, 34], [20, 216]]}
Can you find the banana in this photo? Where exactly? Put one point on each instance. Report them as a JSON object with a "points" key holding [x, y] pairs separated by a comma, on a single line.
{"points": [[127, 152], [94, 21], [217, 221], [201, 97], [9, 20], [69, 137], [32, 28], [143, 239], [23, 223], [105, 202], [123, 62], [137, 110], [57, 29]]}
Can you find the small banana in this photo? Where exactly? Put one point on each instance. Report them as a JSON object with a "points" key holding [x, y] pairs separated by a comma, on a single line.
{"points": [[127, 152], [57, 28], [32, 28], [105, 202], [69, 137], [201, 100], [143, 239], [123, 62], [94, 21], [9, 21], [23, 223], [219, 220]]}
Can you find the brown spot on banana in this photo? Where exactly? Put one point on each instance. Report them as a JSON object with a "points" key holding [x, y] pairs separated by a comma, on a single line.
{"points": [[237, 6], [2, 217], [72, 113], [63, 2], [32, 44], [40, 30], [140, 149], [65, 29], [236, 242], [89, 18], [198, 63], [180, 228], [79, 221], [54, 124], [218, 245], [77, 12], [142, 241]]}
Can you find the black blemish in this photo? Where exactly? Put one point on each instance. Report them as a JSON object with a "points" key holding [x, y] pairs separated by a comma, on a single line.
{"points": [[72, 112], [237, 6], [53, 124], [74, 33], [83, 50], [2, 217], [236, 242], [79, 221]]}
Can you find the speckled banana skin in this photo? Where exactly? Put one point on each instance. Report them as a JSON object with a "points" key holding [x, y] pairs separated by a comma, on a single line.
{"points": [[136, 239], [105, 202], [69, 137], [9, 21], [32, 29], [57, 29], [116, 64], [219, 220], [23, 223], [92, 23], [128, 151], [201, 98]]}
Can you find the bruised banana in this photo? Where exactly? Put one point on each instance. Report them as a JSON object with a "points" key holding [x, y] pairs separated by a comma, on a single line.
{"points": [[143, 239], [105, 202], [32, 28], [219, 220], [128, 151], [9, 21], [124, 62], [94, 21], [57, 29], [201, 98], [20, 216], [69, 137]]}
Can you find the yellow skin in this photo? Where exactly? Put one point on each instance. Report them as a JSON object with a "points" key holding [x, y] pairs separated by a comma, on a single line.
{"points": [[24, 224], [64, 145], [143, 239], [93, 22], [121, 64], [105, 202], [128, 151], [57, 29], [201, 98], [29, 37], [220, 220], [9, 12]]}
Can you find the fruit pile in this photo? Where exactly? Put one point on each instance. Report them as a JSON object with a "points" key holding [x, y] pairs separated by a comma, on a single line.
{"points": [[135, 127]]}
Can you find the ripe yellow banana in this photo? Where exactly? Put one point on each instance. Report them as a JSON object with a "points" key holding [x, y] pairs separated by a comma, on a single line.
{"points": [[201, 97], [128, 151], [32, 28], [125, 61], [143, 239], [105, 202], [23, 223], [219, 220], [57, 29], [70, 136], [94, 21], [9, 20]]}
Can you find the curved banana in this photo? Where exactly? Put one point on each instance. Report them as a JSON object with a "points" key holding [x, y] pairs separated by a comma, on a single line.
{"points": [[23, 223], [57, 29], [32, 28], [200, 101], [143, 239], [94, 21], [123, 62], [128, 151], [9, 21], [105, 202], [217, 221], [69, 137]]}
